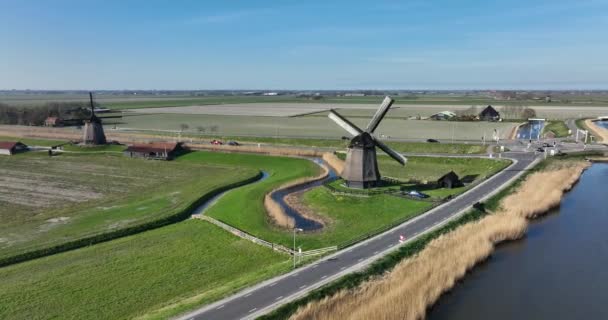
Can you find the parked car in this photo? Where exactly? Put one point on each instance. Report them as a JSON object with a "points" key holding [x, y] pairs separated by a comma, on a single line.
{"points": [[233, 143], [540, 150], [432, 140], [546, 145], [416, 194], [216, 142]]}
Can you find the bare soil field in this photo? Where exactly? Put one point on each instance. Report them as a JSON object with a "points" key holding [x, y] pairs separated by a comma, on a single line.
{"points": [[49, 200], [363, 110]]}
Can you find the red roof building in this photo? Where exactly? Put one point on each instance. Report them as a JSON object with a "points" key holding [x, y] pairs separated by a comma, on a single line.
{"points": [[9, 148]]}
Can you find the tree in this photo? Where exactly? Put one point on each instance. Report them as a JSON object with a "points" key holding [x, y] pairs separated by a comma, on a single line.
{"points": [[201, 129], [184, 127], [528, 113]]}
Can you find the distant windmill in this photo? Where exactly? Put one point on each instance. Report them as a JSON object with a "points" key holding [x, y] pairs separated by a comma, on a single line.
{"points": [[361, 169], [93, 129]]}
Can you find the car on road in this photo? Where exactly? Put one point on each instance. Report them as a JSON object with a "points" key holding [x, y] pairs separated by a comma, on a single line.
{"points": [[432, 140], [233, 143], [216, 142]]}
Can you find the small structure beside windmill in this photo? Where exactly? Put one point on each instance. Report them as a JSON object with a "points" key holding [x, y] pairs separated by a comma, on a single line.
{"points": [[449, 181], [361, 167], [155, 151], [93, 129]]}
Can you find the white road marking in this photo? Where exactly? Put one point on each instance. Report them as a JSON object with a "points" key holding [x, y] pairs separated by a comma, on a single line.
{"points": [[218, 308], [272, 285], [302, 287], [342, 268], [360, 260], [316, 265], [295, 274], [247, 295], [279, 298], [252, 310], [323, 277]]}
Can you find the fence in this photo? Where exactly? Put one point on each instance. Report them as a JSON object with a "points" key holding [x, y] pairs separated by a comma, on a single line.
{"points": [[273, 246]]}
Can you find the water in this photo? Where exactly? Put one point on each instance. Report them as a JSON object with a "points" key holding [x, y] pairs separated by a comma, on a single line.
{"points": [[301, 221], [603, 123], [558, 271], [531, 130], [207, 204]]}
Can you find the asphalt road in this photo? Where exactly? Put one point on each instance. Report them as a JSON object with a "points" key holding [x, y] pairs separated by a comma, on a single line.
{"points": [[268, 295]]}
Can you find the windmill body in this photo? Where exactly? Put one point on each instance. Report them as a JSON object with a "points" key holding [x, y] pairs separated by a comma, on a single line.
{"points": [[93, 133], [361, 167]]}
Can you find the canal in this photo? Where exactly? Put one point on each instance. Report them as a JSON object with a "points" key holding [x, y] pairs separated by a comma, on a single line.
{"points": [[558, 271]]}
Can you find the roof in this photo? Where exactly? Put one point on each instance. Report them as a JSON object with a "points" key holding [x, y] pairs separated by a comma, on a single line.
{"points": [[9, 144], [489, 110], [445, 113], [450, 175], [153, 147]]}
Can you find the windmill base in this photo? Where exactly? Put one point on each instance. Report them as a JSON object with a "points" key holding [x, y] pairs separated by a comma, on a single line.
{"points": [[363, 184]]}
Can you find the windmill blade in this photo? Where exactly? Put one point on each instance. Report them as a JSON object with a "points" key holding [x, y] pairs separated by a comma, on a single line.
{"points": [[342, 122], [379, 115], [393, 154]]}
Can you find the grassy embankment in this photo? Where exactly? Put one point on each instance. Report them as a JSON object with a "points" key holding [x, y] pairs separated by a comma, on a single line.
{"points": [[422, 270], [155, 274], [559, 128], [51, 201], [346, 217]]}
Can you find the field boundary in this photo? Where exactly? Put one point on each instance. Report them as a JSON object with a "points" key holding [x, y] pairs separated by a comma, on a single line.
{"points": [[103, 237]]}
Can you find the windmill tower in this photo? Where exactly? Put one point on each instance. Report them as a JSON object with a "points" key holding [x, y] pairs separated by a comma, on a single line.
{"points": [[93, 130], [361, 168]]}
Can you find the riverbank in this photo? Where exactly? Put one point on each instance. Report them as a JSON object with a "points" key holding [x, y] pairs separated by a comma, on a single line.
{"points": [[416, 283], [600, 132]]}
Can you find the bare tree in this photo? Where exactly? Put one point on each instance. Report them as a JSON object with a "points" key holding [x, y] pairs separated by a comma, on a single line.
{"points": [[201, 129], [184, 127]]}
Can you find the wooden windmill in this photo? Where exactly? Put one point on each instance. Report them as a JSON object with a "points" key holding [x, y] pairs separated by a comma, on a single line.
{"points": [[361, 169], [93, 129]]}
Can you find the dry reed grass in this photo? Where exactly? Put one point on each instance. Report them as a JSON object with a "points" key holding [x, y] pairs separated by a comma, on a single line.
{"points": [[416, 283], [333, 161], [599, 132]]}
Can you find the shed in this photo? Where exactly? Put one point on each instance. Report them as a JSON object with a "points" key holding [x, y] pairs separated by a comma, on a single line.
{"points": [[449, 181], [155, 151], [9, 148], [489, 114]]}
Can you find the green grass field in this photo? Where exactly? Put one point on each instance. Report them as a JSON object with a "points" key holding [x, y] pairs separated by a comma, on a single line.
{"points": [[558, 127], [47, 201], [155, 274]]}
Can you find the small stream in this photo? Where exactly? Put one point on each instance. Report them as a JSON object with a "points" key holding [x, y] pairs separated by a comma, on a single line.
{"points": [[300, 221], [603, 123], [531, 130], [557, 271]]}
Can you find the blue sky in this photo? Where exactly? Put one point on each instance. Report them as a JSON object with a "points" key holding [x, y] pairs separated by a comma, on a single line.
{"points": [[465, 44]]}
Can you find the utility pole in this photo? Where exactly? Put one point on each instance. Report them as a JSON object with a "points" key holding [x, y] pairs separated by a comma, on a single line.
{"points": [[294, 244]]}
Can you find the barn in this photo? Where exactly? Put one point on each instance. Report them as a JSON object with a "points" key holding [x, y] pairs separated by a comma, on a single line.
{"points": [[489, 114], [155, 151], [9, 148], [449, 181]]}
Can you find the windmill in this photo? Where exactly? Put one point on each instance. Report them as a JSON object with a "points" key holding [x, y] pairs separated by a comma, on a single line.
{"points": [[93, 129], [361, 169]]}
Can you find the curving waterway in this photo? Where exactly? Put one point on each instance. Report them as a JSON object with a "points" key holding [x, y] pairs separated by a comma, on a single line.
{"points": [[602, 123], [558, 271]]}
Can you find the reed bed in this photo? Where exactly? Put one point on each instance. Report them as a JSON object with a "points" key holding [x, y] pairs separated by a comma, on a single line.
{"points": [[599, 132], [416, 283], [333, 161]]}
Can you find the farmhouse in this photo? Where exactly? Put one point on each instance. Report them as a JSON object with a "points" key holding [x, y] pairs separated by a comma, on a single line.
{"points": [[489, 114], [155, 151], [449, 181], [9, 148]]}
